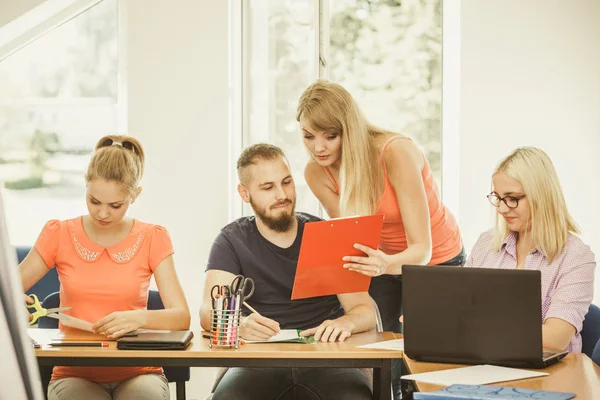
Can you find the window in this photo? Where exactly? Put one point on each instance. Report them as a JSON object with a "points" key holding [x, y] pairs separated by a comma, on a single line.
{"points": [[387, 53], [58, 96], [279, 63]]}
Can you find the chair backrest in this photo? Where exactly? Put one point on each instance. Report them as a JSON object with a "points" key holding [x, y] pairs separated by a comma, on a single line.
{"points": [[596, 353], [49, 282], [590, 334], [173, 374]]}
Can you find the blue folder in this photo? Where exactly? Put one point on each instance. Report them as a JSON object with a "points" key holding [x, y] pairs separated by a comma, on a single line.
{"points": [[481, 392]]}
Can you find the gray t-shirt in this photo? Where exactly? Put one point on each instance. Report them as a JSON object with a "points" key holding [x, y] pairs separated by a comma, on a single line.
{"points": [[241, 249]]}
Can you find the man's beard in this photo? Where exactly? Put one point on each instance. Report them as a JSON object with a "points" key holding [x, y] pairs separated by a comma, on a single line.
{"points": [[283, 223]]}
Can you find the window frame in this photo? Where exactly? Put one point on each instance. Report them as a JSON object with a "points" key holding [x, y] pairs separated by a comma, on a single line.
{"points": [[238, 100]]}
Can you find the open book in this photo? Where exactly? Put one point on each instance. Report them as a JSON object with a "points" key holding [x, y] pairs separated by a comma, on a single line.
{"points": [[287, 336]]}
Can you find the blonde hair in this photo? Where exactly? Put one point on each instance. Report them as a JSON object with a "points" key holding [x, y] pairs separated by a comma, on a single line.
{"points": [[550, 219], [329, 107], [117, 158]]}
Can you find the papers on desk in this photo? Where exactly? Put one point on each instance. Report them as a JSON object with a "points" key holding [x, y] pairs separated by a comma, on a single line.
{"points": [[490, 393], [396, 344], [42, 336], [286, 336], [475, 375]]}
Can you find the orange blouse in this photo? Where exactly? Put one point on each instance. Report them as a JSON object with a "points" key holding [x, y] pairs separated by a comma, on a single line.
{"points": [[96, 281]]}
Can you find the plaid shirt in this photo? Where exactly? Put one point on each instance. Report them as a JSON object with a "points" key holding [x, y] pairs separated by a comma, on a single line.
{"points": [[567, 282]]}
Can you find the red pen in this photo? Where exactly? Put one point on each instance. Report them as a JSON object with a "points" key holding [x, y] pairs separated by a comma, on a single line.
{"points": [[79, 344]]}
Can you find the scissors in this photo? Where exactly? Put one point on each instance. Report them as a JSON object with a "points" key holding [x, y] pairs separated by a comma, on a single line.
{"points": [[43, 312], [244, 287], [220, 295]]}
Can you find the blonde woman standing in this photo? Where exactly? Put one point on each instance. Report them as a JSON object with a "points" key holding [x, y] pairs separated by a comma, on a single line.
{"points": [[535, 231], [359, 169]]}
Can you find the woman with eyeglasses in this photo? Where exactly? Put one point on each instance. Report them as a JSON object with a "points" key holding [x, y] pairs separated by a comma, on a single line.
{"points": [[105, 260], [535, 231]]}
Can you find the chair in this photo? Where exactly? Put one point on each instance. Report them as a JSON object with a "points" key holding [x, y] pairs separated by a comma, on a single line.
{"points": [[596, 353], [179, 375], [49, 282], [590, 333], [367, 371]]}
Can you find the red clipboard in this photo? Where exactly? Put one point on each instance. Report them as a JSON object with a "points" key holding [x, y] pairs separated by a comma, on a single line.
{"points": [[320, 270]]}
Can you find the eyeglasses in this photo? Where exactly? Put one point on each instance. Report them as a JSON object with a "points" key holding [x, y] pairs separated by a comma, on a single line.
{"points": [[126, 143], [510, 201]]}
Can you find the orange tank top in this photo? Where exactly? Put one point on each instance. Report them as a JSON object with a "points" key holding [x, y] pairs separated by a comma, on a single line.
{"points": [[445, 235]]}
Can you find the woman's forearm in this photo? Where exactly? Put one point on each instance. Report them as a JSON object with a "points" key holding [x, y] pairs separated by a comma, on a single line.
{"points": [[414, 255]]}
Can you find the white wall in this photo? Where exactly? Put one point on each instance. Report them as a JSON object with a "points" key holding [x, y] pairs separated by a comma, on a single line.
{"points": [[530, 75], [176, 65], [11, 10]]}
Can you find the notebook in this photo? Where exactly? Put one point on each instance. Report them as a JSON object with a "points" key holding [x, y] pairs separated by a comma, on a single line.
{"points": [[286, 336], [169, 340], [479, 392]]}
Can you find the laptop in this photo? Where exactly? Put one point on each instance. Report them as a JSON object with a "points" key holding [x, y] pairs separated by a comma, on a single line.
{"points": [[474, 316]]}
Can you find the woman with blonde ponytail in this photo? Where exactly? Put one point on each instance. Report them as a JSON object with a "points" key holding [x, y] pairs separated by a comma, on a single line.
{"points": [[105, 260], [359, 169]]}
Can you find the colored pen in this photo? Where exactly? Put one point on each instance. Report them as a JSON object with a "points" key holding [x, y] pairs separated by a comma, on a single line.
{"points": [[79, 344]]}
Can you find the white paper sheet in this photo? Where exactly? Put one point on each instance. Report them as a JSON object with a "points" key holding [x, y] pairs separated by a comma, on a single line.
{"points": [[475, 375], [396, 344], [283, 335], [73, 322]]}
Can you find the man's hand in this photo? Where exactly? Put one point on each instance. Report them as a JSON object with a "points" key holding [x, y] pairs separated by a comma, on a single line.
{"points": [[118, 323], [331, 330], [257, 327]]}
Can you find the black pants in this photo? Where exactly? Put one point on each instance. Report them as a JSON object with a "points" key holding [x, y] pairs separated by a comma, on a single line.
{"points": [[386, 290], [293, 384]]}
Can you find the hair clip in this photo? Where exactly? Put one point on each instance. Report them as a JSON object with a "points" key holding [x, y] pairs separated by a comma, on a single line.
{"points": [[115, 143]]}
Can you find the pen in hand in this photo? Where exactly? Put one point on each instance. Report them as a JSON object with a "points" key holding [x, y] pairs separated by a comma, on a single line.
{"points": [[249, 307]]}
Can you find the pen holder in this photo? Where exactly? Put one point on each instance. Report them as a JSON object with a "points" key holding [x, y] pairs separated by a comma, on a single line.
{"points": [[225, 328]]}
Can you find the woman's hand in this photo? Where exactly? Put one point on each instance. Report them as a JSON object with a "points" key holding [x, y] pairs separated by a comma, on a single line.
{"points": [[374, 264], [28, 300], [117, 324]]}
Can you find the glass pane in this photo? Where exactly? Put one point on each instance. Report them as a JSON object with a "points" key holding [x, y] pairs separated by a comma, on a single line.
{"points": [[388, 55], [281, 58], [58, 96]]}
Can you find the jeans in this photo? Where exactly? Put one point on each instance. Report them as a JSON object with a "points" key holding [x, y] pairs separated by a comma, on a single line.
{"points": [[386, 290], [293, 384], [142, 387]]}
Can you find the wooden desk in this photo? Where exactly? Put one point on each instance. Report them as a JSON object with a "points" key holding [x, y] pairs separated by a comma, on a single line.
{"points": [[199, 354], [575, 373]]}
